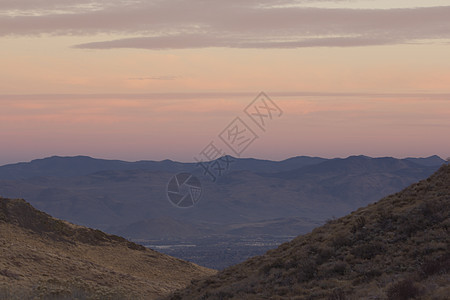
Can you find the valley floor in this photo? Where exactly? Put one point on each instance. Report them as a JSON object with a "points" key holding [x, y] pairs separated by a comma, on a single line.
{"points": [[216, 252]]}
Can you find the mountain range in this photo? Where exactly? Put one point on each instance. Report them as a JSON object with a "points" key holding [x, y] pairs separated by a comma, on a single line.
{"points": [[58, 166], [109, 193], [255, 198]]}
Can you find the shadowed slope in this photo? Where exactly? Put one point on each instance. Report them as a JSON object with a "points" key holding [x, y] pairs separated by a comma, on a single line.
{"points": [[397, 248]]}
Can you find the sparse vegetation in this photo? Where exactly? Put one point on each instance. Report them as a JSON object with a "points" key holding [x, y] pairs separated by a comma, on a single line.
{"points": [[45, 258], [397, 248], [403, 290], [337, 294]]}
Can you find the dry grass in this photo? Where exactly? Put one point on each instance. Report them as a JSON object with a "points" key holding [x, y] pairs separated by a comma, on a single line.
{"points": [[45, 258], [397, 248]]}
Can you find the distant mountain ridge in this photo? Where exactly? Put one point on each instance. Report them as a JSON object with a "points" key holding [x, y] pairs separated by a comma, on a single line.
{"points": [[104, 193], [57, 166], [359, 164]]}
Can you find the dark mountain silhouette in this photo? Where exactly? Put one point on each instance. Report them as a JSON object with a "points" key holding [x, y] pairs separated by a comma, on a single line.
{"points": [[57, 166], [357, 165], [119, 196], [396, 248], [427, 161], [46, 258], [268, 166]]}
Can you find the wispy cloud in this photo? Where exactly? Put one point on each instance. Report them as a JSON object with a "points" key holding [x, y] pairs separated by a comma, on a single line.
{"points": [[37, 101], [163, 78], [204, 41], [184, 24]]}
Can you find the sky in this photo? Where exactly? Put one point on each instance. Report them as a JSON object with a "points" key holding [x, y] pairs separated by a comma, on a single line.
{"points": [[154, 80]]}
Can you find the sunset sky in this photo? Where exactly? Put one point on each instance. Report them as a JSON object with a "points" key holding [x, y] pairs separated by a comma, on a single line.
{"points": [[157, 80]]}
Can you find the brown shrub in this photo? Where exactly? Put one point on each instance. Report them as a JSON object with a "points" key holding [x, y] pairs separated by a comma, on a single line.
{"points": [[403, 290], [337, 294]]}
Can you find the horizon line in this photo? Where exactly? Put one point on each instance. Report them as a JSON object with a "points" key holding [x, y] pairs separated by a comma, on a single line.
{"points": [[192, 95], [193, 162]]}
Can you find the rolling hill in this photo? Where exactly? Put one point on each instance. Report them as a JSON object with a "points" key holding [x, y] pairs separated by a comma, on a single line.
{"points": [[43, 257], [396, 248]]}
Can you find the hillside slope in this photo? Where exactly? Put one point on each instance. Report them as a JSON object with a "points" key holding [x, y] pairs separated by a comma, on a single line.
{"points": [[397, 248], [41, 256]]}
